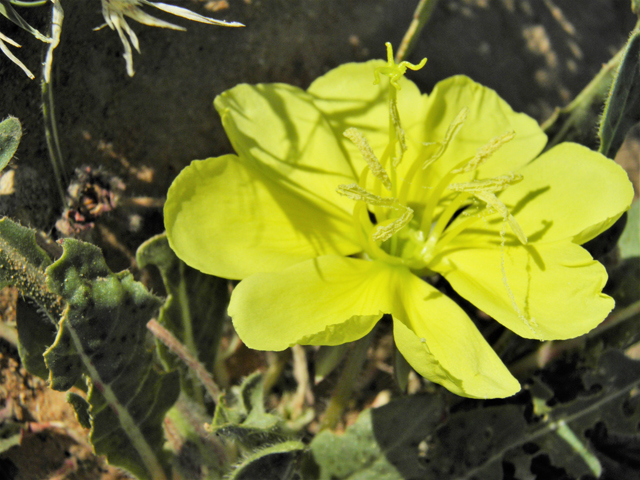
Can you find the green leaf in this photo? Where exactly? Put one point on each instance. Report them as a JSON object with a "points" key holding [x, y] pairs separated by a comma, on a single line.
{"points": [[101, 337], [622, 109], [10, 134], [194, 311], [580, 422], [196, 452], [571, 435], [22, 265], [10, 435], [383, 444], [35, 334], [629, 243], [243, 419], [277, 462], [327, 358], [81, 406], [9, 12]]}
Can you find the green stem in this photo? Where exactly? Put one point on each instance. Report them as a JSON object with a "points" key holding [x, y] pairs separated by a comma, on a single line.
{"points": [[277, 361], [349, 374], [420, 18], [50, 126], [187, 324], [578, 114]]}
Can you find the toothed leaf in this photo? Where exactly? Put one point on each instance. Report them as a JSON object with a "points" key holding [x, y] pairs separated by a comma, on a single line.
{"points": [[243, 418], [22, 265], [277, 462], [578, 416], [102, 336], [35, 333]]}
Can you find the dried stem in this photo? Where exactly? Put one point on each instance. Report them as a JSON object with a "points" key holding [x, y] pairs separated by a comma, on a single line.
{"points": [[173, 344]]}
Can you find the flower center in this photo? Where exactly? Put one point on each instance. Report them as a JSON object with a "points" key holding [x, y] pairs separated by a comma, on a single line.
{"points": [[400, 232]]}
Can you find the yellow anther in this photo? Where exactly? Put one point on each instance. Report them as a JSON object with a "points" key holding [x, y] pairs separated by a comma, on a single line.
{"points": [[376, 168], [357, 193], [385, 231], [491, 200], [492, 185], [394, 70], [452, 131], [484, 152]]}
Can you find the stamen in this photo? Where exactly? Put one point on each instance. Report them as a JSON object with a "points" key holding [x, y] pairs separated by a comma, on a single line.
{"points": [[359, 194], [402, 142], [491, 200], [483, 153], [384, 232], [377, 170], [452, 131], [531, 323], [496, 184]]}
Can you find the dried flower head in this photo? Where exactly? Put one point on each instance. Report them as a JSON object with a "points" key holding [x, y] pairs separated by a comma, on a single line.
{"points": [[115, 11]]}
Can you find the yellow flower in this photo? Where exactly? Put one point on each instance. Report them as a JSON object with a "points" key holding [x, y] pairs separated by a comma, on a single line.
{"points": [[114, 12], [342, 199]]}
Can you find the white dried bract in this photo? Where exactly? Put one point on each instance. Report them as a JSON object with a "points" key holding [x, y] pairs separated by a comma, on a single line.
{"points": [[115, 11]]}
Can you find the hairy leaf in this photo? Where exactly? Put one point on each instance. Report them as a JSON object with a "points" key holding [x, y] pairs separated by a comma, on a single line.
{"points": [[101, 337], [194, 311], [622, 109], [383, 444], [477, 444], [10, 134], [22, 265], [581, 424], [276, 462], [35, 334], [243, 419]]}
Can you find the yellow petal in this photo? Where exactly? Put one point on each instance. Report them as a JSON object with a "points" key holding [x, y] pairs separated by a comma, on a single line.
{"points": [[570, 192], [348, 98], [442, 344], [277, 130], [489, 116], [545, 291], [230, 220], [328, 300], [332, 300]]}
